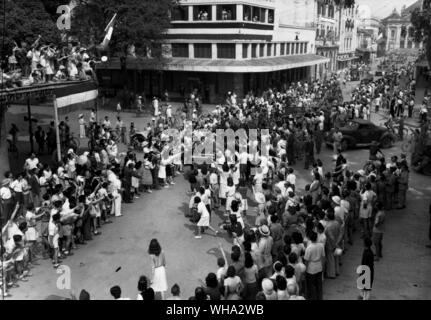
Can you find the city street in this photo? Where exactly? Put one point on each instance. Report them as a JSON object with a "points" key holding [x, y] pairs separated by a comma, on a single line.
{"points": [[280, 65], [403, 273]]}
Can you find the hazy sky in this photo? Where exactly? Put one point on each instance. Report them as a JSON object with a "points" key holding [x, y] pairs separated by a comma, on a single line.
{"points": [[383, 8]]}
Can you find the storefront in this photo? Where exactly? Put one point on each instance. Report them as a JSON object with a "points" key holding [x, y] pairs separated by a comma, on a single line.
{"points": [[211, 78], [345, 60]]}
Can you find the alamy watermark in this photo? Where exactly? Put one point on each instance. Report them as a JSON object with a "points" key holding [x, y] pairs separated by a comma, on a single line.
{"points": [[64, 281], [364, 277], [206, 146], [64, 20]]}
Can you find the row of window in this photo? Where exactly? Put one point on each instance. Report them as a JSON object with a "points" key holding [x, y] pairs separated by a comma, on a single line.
{"points": [[249, 50], [321, 32], [348, 44], [224, 12], [326, 10]]}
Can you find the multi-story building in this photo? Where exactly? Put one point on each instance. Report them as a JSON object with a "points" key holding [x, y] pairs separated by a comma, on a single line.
{"points": [[216, 46], [348, 27], [327, 36], [398, 31], [367, 46], [368, 36]]}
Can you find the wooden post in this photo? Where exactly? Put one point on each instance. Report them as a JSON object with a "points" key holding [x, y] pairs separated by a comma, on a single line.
{"points": [[57, 129], [30, 124]]}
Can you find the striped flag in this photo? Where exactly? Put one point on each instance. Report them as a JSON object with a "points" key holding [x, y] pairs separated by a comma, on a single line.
{"points": [[73, 95], [68, 97], [109, 30]]}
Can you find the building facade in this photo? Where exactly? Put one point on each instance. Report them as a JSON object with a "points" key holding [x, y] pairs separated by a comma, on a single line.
{"points": [[398, 30], [348, 35], [216, 46], [327, 36], [367, 45]]}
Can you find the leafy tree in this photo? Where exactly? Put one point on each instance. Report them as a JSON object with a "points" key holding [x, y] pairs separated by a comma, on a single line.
{"points": [[25, 20], [421, 21], [141, 23], [52, 5]]}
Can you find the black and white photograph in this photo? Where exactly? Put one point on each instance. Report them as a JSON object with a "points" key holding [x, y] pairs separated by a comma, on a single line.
{"points": [[212, 155]]}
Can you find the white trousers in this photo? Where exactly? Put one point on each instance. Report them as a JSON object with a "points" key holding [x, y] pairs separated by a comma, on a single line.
{"points": [[116, 208]]}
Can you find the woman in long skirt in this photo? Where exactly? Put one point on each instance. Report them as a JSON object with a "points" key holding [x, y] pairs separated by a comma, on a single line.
{"points": [[159, 282]]}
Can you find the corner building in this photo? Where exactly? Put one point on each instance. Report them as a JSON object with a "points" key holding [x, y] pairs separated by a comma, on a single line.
{"points": [[216, 46]]}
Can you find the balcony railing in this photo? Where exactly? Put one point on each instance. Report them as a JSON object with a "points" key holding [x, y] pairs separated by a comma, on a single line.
{"points": [[327, 42]]}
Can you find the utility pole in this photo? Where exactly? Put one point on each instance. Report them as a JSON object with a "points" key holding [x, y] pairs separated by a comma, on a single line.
{"points": [[30, 124]]}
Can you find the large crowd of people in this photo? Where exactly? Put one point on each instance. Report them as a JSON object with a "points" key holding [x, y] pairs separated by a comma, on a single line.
{"points": [[43, 62], [285, 241]]}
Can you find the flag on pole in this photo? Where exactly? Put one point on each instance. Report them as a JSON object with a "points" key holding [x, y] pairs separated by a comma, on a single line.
{"points": [[109, 31], [68, 97]]}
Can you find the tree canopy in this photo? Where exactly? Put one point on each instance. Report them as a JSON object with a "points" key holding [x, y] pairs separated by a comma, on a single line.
{"points": [[25, 20], [421, 21], [139, 22]]}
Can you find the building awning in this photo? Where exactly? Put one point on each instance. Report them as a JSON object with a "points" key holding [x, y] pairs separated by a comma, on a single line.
{"points": [[37, 90], [219, 65]]}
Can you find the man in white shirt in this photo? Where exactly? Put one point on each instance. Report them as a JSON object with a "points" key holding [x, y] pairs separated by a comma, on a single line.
{"points": [[243, 158], [291, 178], [31, 163], [18, 186], [6, 200], [107, 122]]}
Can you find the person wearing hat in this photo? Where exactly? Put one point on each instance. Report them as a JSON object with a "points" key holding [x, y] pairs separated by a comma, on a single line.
{"points": [[81, 122], [264, 248], [268, 289], [333, 232]]}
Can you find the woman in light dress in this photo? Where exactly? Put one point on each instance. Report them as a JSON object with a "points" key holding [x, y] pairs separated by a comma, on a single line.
{"points": [[81, 126], [204, 221], [159, 282]]}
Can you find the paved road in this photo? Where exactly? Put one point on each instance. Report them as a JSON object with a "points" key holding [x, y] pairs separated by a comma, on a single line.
{"points": [[403, 273]]}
